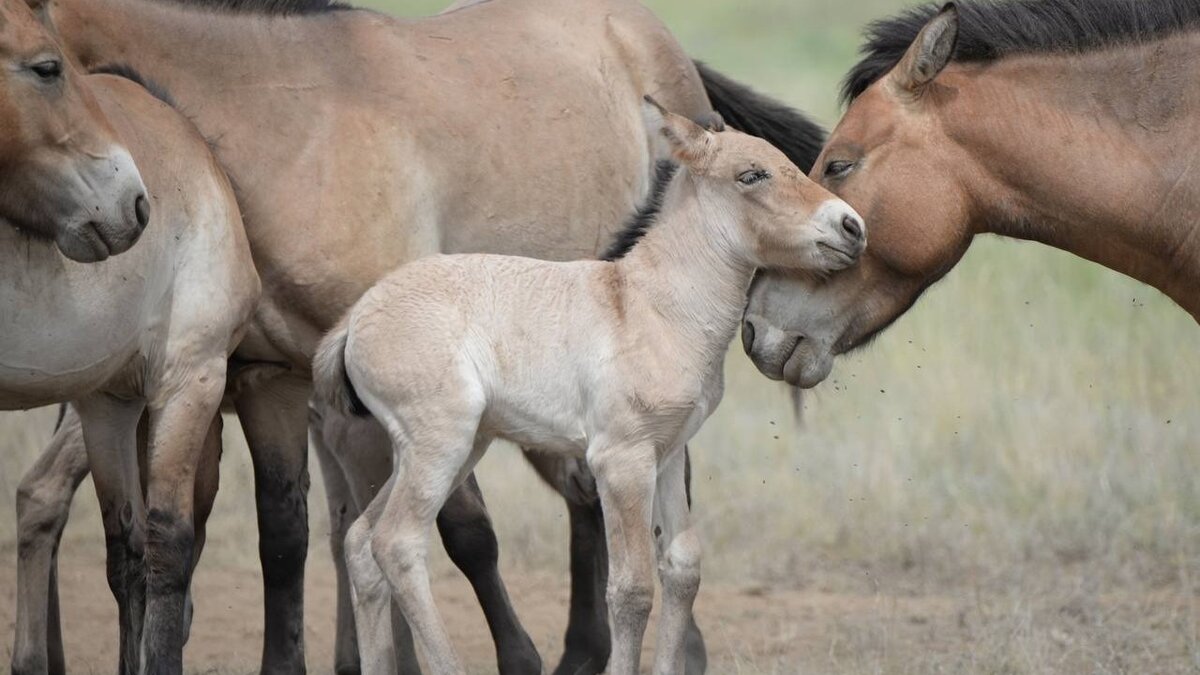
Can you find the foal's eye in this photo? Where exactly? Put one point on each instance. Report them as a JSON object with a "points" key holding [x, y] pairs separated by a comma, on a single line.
{"points": [[753, 176], [838, 168], [50, 69]]}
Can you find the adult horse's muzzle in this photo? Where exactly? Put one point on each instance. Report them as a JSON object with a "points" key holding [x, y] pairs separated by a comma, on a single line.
{"points": [[784, 355], [107, 209]]}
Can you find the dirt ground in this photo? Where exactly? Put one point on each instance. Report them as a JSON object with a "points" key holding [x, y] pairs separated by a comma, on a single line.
{"points": [[1066, 627]]}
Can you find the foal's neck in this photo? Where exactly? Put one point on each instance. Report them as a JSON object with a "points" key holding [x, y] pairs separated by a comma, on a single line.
{"points": [[1101, 166], [691, 269]]}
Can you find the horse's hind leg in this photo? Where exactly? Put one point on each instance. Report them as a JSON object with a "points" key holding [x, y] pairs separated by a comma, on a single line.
{"points": [[470, 541], [588, 639], [110, 434], [678, 563], [342, 512], [43, 505]]}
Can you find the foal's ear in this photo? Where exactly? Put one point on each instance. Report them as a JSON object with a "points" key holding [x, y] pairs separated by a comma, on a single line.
{"points": [[686, 142], [929, 53]]}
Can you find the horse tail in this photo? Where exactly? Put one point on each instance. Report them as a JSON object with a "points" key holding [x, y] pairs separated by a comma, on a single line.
{"points": [[753, 113], [330, 377]]}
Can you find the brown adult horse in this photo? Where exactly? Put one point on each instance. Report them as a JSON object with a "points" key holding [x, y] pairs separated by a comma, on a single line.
{"points": [[1069, 122], [355, 142], [65, 174]]}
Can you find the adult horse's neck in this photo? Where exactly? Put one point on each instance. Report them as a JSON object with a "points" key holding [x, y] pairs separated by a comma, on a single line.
{"points": [[1093, 154], [690, 268]]}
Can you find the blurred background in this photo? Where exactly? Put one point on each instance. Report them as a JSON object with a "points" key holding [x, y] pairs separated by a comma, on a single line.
{"points": [[1008, 481]]}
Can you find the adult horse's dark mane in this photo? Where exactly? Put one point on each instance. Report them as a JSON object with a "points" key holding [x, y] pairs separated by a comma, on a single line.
{"points": [[636, 227], [268, 7], [993, 29]]}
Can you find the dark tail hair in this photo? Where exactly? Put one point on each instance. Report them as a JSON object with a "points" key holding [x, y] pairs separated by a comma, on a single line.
{"points": [[750, 112]]}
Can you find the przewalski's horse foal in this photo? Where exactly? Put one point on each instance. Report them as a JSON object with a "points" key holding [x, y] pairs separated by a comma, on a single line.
{"points": [[150, 330], [619, 362], [65, 175], [1069, 122]]}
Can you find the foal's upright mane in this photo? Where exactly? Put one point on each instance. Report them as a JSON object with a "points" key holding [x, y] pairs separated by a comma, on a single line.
{"points": [[991, 29]]}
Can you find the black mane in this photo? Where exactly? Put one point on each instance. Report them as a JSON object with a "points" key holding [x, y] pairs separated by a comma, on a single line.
{"points": [[992, 29], [268, 7], [129, 73], [637, 225]]}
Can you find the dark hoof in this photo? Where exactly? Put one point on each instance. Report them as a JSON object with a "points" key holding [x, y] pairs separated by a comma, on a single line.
{"points": [[526, 662]]}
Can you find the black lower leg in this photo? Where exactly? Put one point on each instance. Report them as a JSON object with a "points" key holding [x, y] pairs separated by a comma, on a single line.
{"points": [[169, 552], [470, 541], [588, 640], [282, 548]]}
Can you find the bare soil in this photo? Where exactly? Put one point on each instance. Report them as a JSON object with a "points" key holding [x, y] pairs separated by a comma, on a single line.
{"points": [[1042, 625]]}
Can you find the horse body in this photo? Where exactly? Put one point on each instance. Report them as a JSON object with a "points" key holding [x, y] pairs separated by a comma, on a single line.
{"points": [[616, 361], [150, 329], [1079, 136]]}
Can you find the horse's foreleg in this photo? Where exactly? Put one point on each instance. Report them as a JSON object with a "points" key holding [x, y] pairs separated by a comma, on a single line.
{"points": [[208, 479], [470, 541], [43, 505], [274, 416], [625, 480], [678, 549], [181, 416], [110, 433]]}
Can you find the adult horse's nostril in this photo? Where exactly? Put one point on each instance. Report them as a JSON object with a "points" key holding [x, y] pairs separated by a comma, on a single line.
{"points": [[747, 336], [141, 208], [852, 227]]}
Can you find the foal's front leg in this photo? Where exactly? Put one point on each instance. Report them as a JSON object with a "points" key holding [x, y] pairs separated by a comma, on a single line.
{"points": [[625, 479], [678, 549]]}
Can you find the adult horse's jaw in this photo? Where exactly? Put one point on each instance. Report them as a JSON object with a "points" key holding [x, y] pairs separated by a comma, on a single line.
{"points": [[799, 360]]}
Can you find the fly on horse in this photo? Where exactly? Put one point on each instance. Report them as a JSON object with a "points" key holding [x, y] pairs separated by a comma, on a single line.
{"points": [[352, 138], [1068, 122]]}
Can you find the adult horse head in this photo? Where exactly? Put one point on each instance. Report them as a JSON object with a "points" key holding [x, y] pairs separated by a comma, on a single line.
{"points": [[64, 173], [1066, 122]]}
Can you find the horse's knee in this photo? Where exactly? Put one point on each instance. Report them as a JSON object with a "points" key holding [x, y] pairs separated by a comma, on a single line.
{"points": [[630, 600], [680, 568], [40, 520], [170, 539]]}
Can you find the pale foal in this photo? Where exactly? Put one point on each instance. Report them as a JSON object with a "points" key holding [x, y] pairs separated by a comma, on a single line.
{"points": [[619, 362]]}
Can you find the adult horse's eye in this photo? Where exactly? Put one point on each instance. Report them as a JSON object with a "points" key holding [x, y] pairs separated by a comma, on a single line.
{"points": [[50, 69], [838, 168], [753, 176]]}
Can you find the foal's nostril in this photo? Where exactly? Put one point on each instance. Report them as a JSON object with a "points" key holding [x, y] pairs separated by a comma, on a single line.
{"points": [[747, 336], [852, 227], [141, 208]]}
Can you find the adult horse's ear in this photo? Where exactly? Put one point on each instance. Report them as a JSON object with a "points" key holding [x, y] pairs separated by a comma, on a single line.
{"points": [[686, 142], [928, 54]]}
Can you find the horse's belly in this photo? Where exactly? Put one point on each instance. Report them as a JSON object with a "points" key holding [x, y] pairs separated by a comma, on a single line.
{"points": [[549, 421]]}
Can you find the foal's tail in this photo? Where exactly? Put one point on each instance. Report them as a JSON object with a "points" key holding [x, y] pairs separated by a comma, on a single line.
{"points": [[750, 112], [332, 382]]}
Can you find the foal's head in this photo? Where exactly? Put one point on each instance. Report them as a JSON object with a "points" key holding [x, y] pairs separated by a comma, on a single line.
{"points": [[783, 219], [64, 174]]}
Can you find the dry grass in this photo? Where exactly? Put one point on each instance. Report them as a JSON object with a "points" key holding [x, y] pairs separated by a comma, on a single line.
{"points": [[1007, 482]]}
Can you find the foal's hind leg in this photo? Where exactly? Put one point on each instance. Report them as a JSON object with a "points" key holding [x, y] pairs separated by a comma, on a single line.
{"points": [[470, 541], [43, 505], [370, 592]]}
